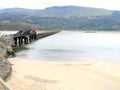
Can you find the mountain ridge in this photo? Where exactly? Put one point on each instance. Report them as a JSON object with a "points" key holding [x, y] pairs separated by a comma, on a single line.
{"points": [[61, 11], [65, 17]]}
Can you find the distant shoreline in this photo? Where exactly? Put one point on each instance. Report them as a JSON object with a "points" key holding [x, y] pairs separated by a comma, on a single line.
{"points": [[91, 31], [38, 74]]}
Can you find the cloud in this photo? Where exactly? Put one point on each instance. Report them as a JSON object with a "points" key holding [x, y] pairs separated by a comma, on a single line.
{"points": [[32, 4], [40, 4]]}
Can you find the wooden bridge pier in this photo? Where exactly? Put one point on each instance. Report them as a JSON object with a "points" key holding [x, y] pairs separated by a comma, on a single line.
{"points": [[23, 40], [26, 37]]}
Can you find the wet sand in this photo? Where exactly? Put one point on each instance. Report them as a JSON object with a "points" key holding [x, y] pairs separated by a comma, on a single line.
{"points": [[45, 75]]}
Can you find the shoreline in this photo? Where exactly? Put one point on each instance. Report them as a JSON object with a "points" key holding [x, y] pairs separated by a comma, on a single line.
{"points": [[92, 74], [93, 31], [28, 74]]}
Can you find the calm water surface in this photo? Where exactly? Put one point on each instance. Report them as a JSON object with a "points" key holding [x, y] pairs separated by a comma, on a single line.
{"points": [[75, 46], [8, 32]]}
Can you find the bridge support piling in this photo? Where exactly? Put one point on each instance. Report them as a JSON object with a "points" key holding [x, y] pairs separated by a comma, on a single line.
{"points": [[23, 40], [17, 41]]}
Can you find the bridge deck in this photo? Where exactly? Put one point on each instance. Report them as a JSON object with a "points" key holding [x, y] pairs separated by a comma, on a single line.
{"points": [[27, 38]]}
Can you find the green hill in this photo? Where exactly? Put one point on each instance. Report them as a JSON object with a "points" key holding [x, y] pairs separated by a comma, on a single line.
{"points": [[74, 11], [61, 11], [64, 17], [18, 26]]}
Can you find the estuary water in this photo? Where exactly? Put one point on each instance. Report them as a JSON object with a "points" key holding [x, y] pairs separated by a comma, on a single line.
{"points": [[75, 46], [8, 32]]}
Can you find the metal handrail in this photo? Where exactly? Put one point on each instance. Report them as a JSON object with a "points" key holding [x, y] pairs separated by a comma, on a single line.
{"points": [[4, 85]]}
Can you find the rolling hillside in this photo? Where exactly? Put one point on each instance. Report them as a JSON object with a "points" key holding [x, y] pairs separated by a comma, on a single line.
{"points": [[64, 17], [18, 26], [74, 11], [61, 11]]}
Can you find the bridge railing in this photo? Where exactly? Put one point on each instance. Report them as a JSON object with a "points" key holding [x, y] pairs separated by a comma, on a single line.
{"points": [[4, 85]]}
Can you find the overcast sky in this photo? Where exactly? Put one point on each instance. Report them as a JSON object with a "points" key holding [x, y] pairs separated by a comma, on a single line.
{"points": [[41, 4]]}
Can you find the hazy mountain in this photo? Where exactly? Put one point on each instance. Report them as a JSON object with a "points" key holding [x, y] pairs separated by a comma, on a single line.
{"points": [[74, 11], [7, 10], [116, 12], [62, 11], [64, 17]]}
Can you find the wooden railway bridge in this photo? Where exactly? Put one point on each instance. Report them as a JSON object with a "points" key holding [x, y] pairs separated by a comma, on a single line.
{"points": [[26, 36]]}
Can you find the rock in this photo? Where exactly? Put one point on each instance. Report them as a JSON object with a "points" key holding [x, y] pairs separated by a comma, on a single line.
{"points": [[5, 68], [10, 51], [2, 45], [3, 53], [8, 40]]}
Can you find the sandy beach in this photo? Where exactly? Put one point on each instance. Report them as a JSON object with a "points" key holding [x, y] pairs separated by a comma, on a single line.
{"points": [[45, 75]]}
